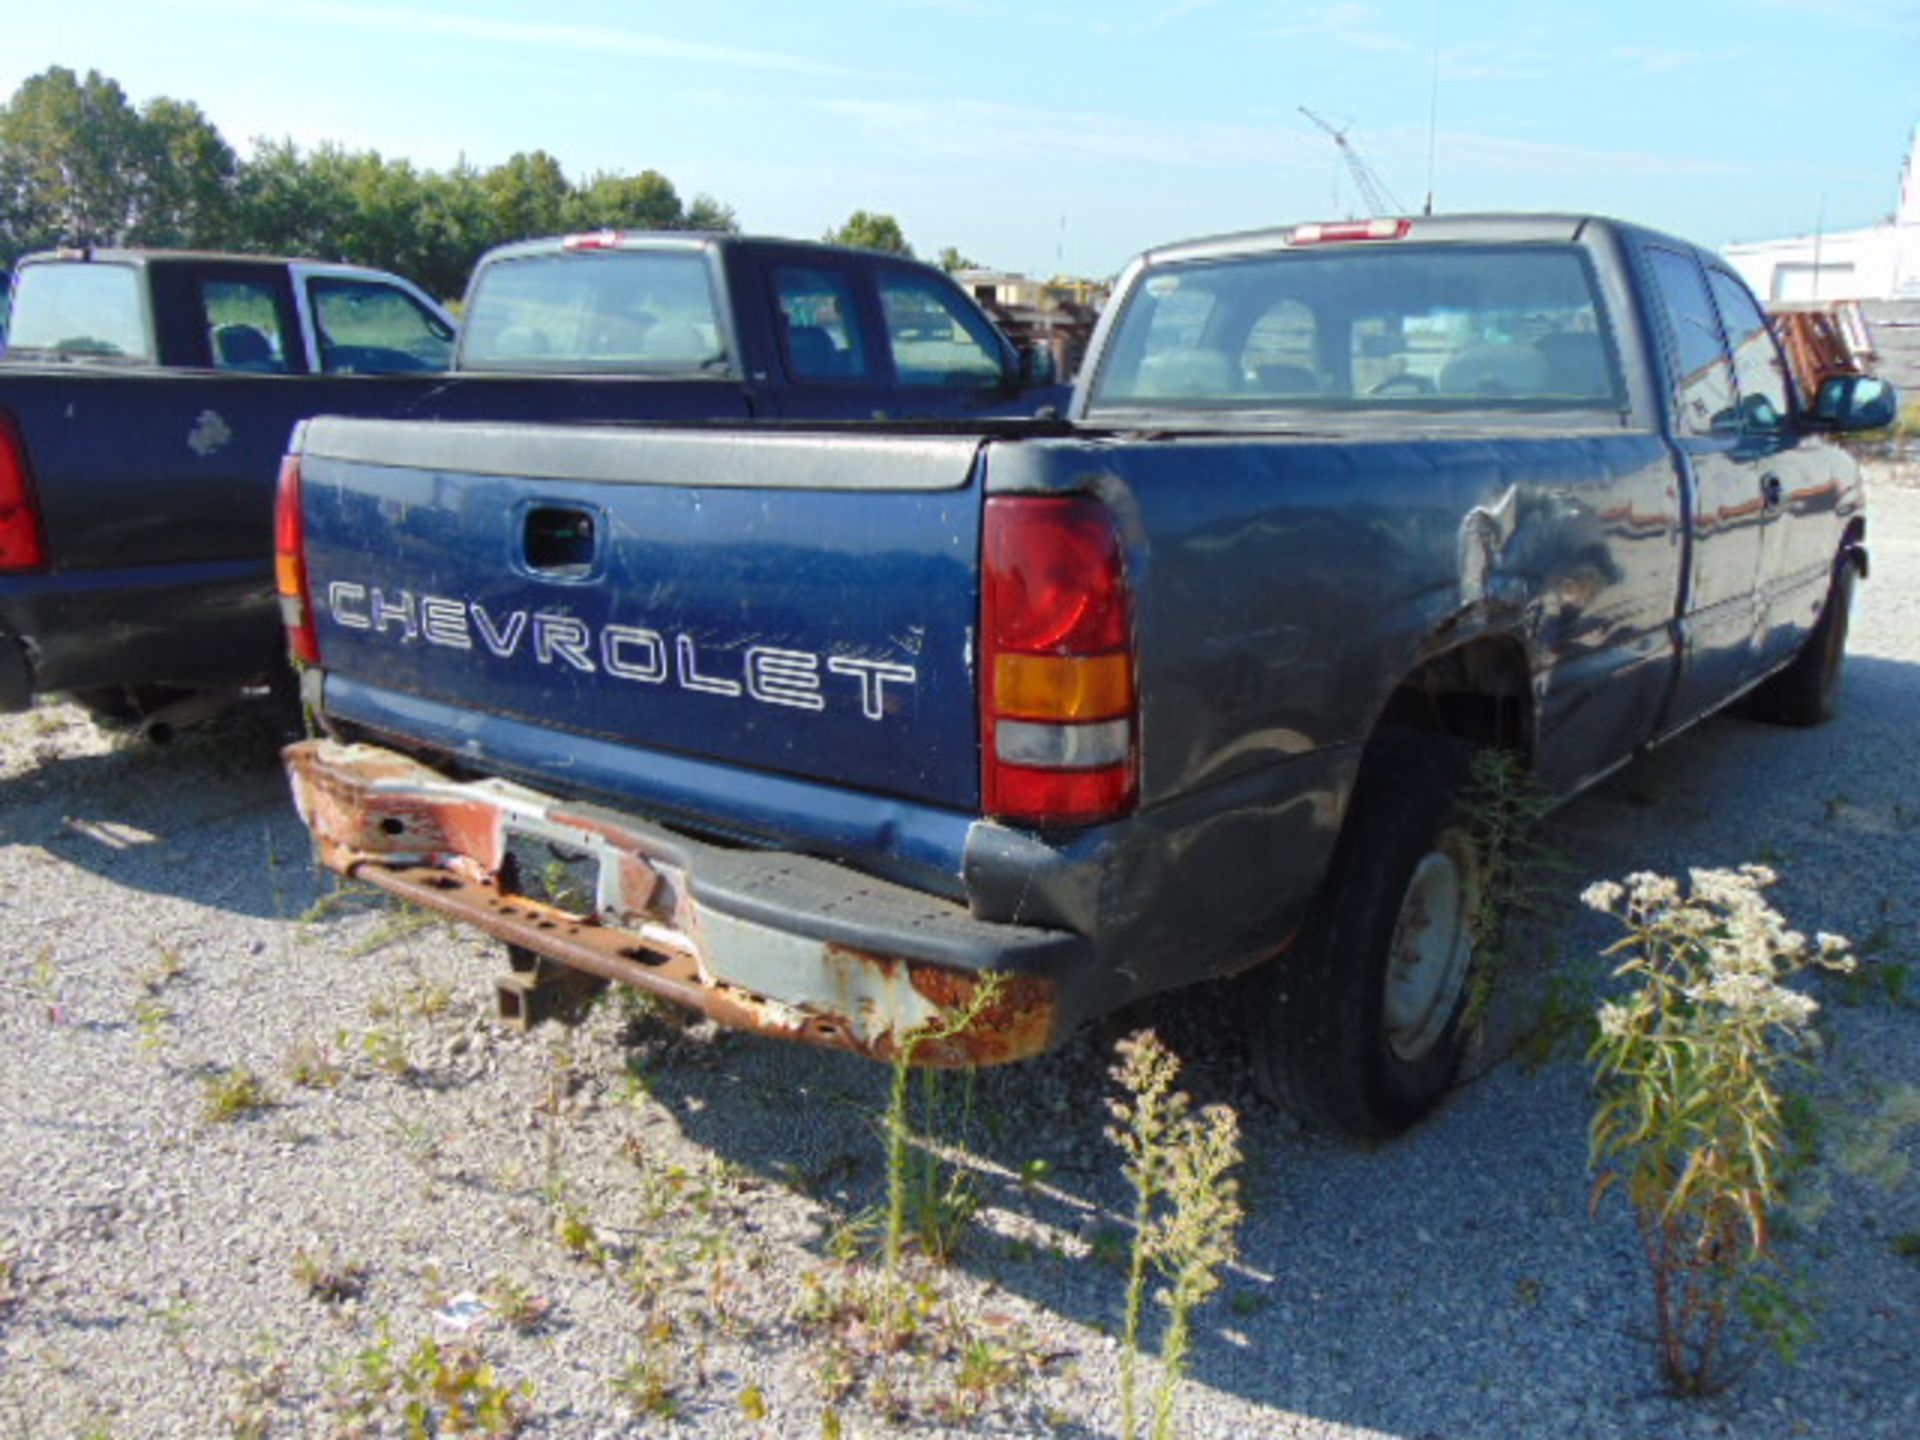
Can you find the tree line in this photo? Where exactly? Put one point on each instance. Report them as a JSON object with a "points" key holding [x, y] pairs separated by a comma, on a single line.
{"points": [[80, 164]]}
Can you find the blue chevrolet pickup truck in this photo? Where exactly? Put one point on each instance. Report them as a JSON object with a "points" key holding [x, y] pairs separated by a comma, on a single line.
{"points": [[147, 398], [814, 728]]}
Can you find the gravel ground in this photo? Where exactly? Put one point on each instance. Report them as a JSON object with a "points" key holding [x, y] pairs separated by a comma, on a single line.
{"points": [[649, 1216]]}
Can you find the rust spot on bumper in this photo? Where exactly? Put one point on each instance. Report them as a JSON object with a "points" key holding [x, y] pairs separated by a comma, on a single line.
{"points": [[442, 844]]}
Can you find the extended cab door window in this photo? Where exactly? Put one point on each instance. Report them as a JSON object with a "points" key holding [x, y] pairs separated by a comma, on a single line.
{"points": [[933, 339], [819, 325], [1766, 395], [365, 327], [1703, 380], [247, 328]]}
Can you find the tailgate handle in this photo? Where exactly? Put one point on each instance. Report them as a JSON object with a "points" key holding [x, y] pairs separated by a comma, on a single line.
{"points": [[560, 541]]}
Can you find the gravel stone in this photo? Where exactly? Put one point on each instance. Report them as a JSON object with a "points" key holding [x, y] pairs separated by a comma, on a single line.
{"points": [[161, 925]]}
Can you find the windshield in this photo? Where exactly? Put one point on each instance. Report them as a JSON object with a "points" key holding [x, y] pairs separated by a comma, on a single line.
{"points": [[617, 312], [1433, 327], [82, 309]]}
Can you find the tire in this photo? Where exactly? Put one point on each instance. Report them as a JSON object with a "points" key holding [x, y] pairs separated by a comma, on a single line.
{"points": [[1807, 691], [1347, 1041]]}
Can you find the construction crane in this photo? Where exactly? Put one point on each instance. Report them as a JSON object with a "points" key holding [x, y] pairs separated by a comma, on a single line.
{"points": [[1373, 190]]}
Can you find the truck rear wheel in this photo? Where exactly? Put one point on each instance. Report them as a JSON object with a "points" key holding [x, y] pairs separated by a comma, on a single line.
{"points": [[1807, 691], [1360, 1028]]}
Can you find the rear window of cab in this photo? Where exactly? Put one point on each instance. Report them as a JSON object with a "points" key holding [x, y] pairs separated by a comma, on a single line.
{"points": [[90, 310], [1433, 327]]}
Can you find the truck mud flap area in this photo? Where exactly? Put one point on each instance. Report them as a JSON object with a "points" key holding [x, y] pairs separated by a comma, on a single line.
{"points": [[773, 943]]}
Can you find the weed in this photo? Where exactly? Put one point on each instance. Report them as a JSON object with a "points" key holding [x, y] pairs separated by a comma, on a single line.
{"points": [[519, 1308], [418, 998], [1186, 1210], [1035, 1173], [46, 986], [167, 968], [576, 1233], [385, 1048], [648, 1384], [310, 1064], [1689, 1067], [1906, 1244], [151, 1019], [752, 1402], [328, 1278], [233, 1095], [248, 1413], [435, 1390], [401, 921], [1504, 806], [947, 1210]]}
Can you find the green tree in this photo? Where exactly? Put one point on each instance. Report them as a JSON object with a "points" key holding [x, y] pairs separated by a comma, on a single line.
{"points": [[646, 201], [707, 213], [528, 195], [870, 230], [951, 260], [82, 166]]}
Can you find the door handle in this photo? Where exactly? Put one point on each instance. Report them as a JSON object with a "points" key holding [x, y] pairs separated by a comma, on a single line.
{"points": [[1770, 492]]}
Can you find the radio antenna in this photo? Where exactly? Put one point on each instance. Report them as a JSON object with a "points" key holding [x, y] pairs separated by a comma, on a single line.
{"points": [[1433, 110]]}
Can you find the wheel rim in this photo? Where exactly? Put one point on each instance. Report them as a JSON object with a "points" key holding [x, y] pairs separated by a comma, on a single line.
{"points": [[1432, 948]]}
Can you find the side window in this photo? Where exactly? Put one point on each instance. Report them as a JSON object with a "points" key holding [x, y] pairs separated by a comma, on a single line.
{"points": [[1281, 356], [934, 342], [1704, 388], [1765, 399], [818, 328], [365, 327], [243, 326]]}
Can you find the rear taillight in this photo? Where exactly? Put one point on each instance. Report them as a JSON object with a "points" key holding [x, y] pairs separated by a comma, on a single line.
{"points": [[22, 544], [1058, 718], [290, 566]]}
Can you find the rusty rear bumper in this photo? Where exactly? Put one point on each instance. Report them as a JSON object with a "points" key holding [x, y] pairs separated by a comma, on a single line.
{"points": [[777, 943]]}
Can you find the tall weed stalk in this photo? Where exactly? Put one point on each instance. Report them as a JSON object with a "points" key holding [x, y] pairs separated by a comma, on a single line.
{"points": [[1693, 1122]]}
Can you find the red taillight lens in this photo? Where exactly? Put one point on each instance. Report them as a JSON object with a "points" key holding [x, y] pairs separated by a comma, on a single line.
{"points": [[1058, 728], [22, 545], [290, 565], [592, 240]]}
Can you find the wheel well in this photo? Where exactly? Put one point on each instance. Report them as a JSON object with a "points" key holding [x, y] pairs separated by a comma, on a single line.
{"points": [[1480, 691], [1853, 545]]}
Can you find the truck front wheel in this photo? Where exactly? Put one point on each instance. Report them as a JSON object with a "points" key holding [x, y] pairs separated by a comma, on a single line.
{"points": [[1360, 1030], [1807, 691]]}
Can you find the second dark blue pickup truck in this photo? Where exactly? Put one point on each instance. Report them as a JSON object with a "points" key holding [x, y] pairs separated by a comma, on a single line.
{"points": [[821, 727], [147, 398]]}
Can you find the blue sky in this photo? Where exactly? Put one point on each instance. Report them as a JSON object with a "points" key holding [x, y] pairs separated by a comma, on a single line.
{"points": [[1057, 134]]}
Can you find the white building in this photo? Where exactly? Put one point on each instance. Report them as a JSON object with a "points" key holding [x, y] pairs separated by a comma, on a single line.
{"points": [[1880, 263]]}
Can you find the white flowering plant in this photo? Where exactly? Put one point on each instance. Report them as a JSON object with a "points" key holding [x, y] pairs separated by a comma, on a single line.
{"points": [[1689, 1066]]}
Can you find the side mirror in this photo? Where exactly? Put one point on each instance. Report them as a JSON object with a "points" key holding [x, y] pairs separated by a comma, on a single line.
{"points": [[1854, 402], [1037, 367]]}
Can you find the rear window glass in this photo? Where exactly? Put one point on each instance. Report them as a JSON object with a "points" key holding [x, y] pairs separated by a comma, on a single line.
{"points": [[81, 310], [1442, 327], [617, 312]]}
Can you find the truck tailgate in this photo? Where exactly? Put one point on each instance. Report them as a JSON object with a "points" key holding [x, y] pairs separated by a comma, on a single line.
{"points": [[801, 603]]}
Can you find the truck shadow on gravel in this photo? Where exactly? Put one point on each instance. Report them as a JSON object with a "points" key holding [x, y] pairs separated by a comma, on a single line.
{"points": [[205, 818], [1452, 1282]]}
